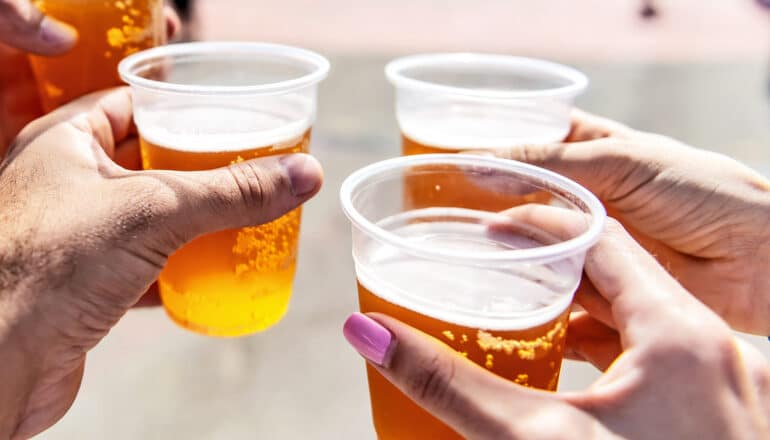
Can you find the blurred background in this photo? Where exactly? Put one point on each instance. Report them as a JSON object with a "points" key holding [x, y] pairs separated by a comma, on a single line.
{"points": [[697, 71]]}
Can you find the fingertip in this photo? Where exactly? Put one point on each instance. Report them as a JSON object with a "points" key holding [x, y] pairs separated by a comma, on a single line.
{"points": [[587, 126], [117, 105], [305, 174], [55, 37], [173, 22], [370, 338]]}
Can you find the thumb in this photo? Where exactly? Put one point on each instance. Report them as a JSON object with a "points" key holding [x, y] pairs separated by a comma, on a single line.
{"points": [[25, 27], [189, 204]]}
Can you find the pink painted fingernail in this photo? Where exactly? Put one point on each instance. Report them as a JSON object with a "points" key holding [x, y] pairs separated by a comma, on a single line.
{"points": [[368, 337]]}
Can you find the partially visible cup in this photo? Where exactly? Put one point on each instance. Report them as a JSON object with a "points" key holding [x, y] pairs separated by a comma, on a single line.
{"points": [[495, 287], [206, 105], [108, 31], [452, 102], [461, 101]]}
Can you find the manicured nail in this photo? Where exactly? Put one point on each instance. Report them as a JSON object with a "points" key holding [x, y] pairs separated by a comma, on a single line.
{"points": [[368, 337], [304, 172], [57, 34]]}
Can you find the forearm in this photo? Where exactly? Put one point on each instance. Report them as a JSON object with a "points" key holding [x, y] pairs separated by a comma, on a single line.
{"points": [[16, 381], [17, 365]]}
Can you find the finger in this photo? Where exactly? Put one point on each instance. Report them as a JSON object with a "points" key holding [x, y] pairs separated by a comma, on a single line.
{"points": [[544, 223], [474, 402], [25, 27], [19, 100], [594, 303], [173, 23], [603, 156], [106, 115], [646, 301], [590, 340], [550, 224], [608, 167], [759, 371], [243, 194], [587, 127], [564, 224], [108, 120]]}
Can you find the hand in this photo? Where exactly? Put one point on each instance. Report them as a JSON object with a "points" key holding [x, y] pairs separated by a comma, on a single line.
{"points": [[83, 238], [681, 374], [23, 28], [704, 216]]}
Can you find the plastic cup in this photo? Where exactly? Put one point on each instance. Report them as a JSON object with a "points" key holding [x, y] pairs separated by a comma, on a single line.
{"points": [[460, 101], [206, 105], [448, 103], [496, 287]]}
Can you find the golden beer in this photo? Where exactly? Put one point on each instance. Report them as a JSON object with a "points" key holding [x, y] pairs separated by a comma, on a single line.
{"points": [[496, 288], [108, 31], [455, 102], [236, 281], [204, 105], [455, 189], [528, 353]]}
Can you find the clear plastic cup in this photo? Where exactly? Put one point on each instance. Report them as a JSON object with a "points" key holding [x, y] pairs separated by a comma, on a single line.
{"points": [[459, 101], [494, 286], [206, 105]]}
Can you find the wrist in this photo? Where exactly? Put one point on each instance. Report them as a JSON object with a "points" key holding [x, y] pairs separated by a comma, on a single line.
{"points": [[18, 375], [19, 366]]}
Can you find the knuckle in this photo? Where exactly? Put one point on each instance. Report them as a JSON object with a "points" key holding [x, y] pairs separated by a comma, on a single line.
{"points": [[536, 153], [431, 381], [723, 353], [252, 183], [699, 352], [139, 215], [144, 205], [757, 366], [615, 237], [674, 353], [761, 375], [8, 7], [24, 17]]}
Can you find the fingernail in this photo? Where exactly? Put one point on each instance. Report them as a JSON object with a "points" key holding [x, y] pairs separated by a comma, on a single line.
{"points": [[368, 337], [57, 33], [304, 173]]}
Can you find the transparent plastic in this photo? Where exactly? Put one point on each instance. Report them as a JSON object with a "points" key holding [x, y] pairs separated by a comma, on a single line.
{"points": [[459, 101], [492, 274], [206, 105]]}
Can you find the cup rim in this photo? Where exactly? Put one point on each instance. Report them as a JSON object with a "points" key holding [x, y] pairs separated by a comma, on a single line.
{"points": [[578, 80], [319, 63], [545, 253]]}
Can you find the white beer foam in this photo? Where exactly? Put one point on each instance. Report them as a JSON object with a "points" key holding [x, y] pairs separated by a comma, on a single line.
{"points": [[219, 129], [462, 127], [517, 297]]}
